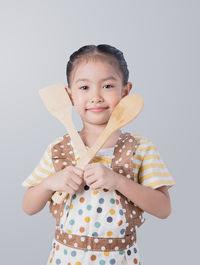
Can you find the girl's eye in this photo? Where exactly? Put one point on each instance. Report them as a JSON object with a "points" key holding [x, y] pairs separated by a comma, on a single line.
{"points": [[108, 86], [84, 87]]}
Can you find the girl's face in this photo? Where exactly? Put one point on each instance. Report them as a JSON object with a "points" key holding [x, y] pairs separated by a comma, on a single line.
{"points": [[96, 88]]}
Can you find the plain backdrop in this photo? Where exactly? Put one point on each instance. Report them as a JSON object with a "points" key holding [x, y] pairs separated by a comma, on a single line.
{"points": [[160, 41]]}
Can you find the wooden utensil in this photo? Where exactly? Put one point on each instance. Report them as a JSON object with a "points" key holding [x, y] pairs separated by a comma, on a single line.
{"points": [[58, 103], [126, 110]]}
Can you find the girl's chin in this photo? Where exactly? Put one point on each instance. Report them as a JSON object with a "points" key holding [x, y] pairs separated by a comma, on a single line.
{"points": [[98, 122]]}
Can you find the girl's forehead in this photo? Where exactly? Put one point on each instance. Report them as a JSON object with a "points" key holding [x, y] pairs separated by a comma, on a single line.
{"points": [[100, 65]]}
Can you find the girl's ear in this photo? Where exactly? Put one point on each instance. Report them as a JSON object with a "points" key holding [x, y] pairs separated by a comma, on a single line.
{"points": [[68, 90], [126, 89]]}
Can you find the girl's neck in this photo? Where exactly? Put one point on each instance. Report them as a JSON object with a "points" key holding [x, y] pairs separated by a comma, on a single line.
{"points": [[89, 135]]}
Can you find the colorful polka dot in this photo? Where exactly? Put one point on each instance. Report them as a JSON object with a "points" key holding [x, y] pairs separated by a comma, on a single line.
{"points": [[97, 224], [120, 222], [77, 263], [122, 231], [80, 211], [82, 229], [117, 201], [74, 196], [95, 234], [109, 219], [106, 253], [135, 261], [93, 257], [121, 252], [99, 210], [71, 206], [87, 219], [82, 199], [67, 207], [101, 200], [129, 252], [58, 261], [73, 253], [57, 247], [65, 252], [112, 261], [109, 233], [72, 222], [135, 250], [89, 207], [112, 201], [121, 212], [102, 262], [95, 192], [69, 231], [112, 211]]}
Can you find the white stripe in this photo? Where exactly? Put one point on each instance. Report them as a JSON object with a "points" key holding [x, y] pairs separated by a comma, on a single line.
{"points": [[153, 161], [154, 170]]}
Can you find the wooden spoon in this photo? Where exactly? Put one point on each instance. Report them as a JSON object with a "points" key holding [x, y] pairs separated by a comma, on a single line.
{"points": [[58, 103], [126, 110]]}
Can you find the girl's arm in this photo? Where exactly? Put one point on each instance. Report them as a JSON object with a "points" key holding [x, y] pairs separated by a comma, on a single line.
{"points": [[35, 198], [153, 201]]}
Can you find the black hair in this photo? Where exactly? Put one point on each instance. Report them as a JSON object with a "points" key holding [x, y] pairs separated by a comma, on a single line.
{"points": [[103, 49]]}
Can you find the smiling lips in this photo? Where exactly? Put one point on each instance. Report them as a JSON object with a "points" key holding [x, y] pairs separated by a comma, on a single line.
{"points": [[100, 109]]}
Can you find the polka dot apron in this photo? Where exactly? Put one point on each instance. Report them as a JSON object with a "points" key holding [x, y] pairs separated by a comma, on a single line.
{"points": [[96, 226]]}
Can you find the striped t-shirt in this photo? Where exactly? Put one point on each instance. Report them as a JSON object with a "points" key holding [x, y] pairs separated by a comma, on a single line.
{"points": [[148, 166]]}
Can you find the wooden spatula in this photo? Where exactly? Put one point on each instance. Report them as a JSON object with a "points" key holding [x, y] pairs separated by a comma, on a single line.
{"points": [[126, 110], [58, 103]]}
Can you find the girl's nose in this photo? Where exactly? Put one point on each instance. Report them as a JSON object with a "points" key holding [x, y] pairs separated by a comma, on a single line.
{"points": [[96, 100]]}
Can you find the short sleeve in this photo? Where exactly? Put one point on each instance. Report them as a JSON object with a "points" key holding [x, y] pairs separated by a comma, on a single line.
{"points": [[43, 169], [151, 169]]}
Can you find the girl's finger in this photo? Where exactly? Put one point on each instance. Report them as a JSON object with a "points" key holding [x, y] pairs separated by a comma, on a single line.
{"points": [[77, 179], [73, 185], [91, 180], [78, 171], [95, 186], [88, 173]]}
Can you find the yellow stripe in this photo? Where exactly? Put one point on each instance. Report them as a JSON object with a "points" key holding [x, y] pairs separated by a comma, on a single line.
{"points": [[152, 165], [139, 138], [32, 183], [37, 177], [48, 151], [158, 182], [154, 174], [145, 149], [139, 157], [47, 163], [43, 170], [98, 159]]}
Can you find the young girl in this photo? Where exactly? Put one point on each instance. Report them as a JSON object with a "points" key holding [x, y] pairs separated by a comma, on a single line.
{"points": [[96, 223]]}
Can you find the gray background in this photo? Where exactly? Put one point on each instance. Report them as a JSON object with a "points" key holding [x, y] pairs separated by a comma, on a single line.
{"points": [[160, 41]]}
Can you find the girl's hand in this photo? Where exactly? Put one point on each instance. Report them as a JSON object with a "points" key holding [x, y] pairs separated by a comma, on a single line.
{"points": [[97, 176], [69, 179]]}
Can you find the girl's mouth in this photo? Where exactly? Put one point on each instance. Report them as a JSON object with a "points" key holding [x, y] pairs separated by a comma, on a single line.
{"points": [[97, 109]]}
